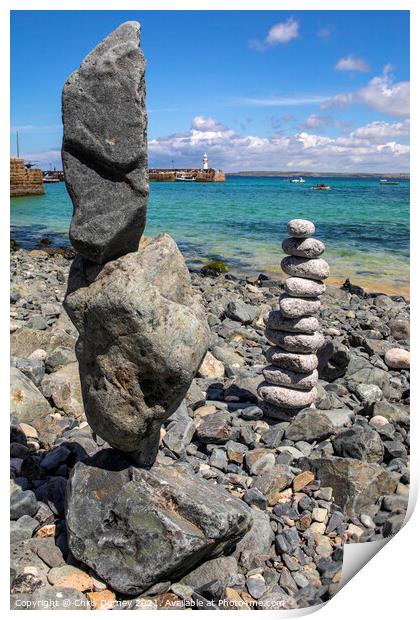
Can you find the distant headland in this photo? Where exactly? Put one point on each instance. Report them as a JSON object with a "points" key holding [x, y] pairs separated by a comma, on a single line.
{"points": [[300, 173]]}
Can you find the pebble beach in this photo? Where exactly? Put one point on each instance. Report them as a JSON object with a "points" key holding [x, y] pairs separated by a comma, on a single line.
{"points": [[332, 475]]}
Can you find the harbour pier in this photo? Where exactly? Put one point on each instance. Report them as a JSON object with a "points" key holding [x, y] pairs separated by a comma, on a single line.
{"points": [[200, 175], [186, 174], [24, 180]]}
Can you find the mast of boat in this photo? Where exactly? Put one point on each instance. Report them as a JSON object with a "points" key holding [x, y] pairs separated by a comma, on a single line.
{"points": [[17, 143]]}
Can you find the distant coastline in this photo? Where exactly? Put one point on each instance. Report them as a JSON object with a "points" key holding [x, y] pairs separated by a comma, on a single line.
{"points": [[294, 173]]}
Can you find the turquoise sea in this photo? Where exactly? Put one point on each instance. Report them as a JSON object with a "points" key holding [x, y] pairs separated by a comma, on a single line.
{"points": [[365, 225]]}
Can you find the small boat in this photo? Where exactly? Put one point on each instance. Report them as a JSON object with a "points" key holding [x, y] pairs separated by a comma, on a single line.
{"points": [[321, 186], [299, 180], [50, 180], [184, 178], [386, 182]]}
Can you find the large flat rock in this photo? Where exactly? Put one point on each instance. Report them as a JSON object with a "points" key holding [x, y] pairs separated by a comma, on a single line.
{"points": [[105, 147], [143, 335], [136, 527]]}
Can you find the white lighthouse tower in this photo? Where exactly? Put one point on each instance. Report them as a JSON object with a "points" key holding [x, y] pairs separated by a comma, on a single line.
{"points": [[205, 162]]}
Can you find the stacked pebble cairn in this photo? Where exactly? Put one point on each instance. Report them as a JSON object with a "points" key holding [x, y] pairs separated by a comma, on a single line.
{"points": [[293, 330]]}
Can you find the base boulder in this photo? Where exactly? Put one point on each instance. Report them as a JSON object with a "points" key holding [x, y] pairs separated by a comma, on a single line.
{"points": [[136, 527]]}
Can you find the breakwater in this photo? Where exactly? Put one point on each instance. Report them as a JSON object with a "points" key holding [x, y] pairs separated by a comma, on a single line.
{"points": [[169, 175], [24, 181]]}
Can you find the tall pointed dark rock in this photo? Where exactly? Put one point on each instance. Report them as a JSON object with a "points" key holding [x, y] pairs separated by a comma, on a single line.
{"points": [[105, 147]]}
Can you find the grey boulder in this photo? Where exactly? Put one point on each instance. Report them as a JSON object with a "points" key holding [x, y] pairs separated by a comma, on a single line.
{"points": [[179, 434], [27, 403], [33, 369], [359, 442], [372, 376], [222, 569], [310, 425], [136, 369], [63, 389], [237, 310], [22, 528], [259, 538], [22, 503], [105, 147], [355, 484], [137, 527]]}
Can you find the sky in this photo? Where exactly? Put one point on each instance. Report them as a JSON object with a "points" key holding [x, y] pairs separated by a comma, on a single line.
{"points": [[256, 90]]}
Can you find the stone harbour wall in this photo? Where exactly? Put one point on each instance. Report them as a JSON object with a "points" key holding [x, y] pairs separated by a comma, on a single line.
{"points": [[24, 182]]}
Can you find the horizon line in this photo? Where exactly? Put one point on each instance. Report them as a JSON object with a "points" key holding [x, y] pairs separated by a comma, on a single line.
{"points": [[309, 172]]}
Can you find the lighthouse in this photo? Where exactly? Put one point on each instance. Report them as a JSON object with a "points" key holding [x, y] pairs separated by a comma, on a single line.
{"points": [[205, 162]]}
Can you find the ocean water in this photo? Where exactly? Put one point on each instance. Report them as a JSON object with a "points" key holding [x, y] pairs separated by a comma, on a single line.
{"points": [[364, 225]]}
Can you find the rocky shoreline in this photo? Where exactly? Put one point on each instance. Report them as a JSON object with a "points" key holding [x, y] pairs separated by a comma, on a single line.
{"points": [[334, 474]]}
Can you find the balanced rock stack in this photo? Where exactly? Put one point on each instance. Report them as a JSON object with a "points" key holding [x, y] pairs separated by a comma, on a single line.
{"points": [[142, 337], [293, 330]]}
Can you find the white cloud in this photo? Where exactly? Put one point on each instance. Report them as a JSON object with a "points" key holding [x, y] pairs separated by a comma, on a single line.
{"points": [[283, 32], [380, 94], [279, 33], [310, 141], [202, 123], [380, 130], [374, 147], [395, 147], [383, 95], [352, 63], [378, 146], [314, 121]]}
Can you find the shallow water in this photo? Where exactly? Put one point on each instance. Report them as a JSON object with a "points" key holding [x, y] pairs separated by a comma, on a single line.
{"points": [[365, 225]]}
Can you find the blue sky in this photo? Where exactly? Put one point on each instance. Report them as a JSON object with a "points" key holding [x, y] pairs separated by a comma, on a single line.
{"points": [[257, 90]]}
